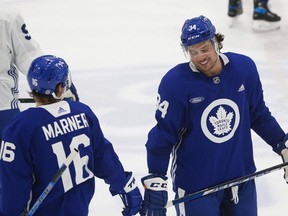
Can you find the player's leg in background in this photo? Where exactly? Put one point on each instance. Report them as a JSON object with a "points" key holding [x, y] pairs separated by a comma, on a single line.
{"points": [[235, 8], [264, 18]]}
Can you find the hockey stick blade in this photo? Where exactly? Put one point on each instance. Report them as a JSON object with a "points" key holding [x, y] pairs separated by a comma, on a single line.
{"points": [[49, 187], [26, 100], [225, 185]]}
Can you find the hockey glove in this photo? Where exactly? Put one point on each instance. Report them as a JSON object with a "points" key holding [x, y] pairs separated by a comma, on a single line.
{"points": [[131, 196], [282, 149], [155, 195], [71, 94]]}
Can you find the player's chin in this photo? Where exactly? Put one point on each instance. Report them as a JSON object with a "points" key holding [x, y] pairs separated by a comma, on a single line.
{"points": [[203, 67]]}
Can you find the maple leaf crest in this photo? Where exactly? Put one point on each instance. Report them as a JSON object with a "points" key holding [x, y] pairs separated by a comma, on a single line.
{"points": [[222, 121]]}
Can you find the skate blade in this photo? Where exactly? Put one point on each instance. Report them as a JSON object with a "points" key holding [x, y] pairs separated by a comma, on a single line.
{"points": [[263, 26]]}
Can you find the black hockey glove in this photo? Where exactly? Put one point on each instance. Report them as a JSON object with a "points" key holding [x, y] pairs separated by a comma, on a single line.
{"points": [[155, 196], [131, 196]]}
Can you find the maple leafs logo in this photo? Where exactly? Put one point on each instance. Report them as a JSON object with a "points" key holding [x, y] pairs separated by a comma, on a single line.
{"points": [[222, 121]]}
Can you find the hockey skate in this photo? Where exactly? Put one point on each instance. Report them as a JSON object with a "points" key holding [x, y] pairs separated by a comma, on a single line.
{"points": [[234, 10], [264, 19]]}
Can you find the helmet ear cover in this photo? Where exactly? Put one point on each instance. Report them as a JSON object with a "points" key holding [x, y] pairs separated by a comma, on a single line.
{"points": [[197, 30], [46, 72]]}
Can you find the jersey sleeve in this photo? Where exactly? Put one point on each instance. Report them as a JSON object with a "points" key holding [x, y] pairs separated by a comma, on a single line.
{"points": [[15, 163], [262, 121], [107, 165], [25, 49], [170, 117]]}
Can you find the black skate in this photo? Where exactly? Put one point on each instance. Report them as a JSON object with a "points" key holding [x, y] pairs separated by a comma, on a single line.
{"points": [[264, 19], [235, 8]]}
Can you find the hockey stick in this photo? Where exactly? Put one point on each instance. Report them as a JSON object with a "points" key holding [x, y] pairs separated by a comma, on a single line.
{"points": [[225, 185], [51, 184], [26, 100]]}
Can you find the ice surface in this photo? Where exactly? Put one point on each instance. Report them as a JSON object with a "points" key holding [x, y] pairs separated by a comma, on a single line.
{"points": [[119, 50]]}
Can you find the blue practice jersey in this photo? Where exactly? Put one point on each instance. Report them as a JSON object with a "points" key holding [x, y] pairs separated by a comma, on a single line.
{"points": [[37, 142], [205, 122]]}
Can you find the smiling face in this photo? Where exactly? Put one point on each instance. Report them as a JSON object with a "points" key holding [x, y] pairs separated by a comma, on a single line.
{"points": [[205, 58]]}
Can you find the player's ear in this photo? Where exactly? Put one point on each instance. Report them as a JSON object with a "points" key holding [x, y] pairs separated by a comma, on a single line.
{"points": [[59, 91]]}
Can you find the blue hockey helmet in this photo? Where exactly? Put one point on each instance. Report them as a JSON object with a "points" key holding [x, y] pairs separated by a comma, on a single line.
{"points": [[46, 72], [197, 30]]}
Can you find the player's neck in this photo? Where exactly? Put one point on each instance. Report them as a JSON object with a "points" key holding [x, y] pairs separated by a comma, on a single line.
{"points": [[44, 101]]}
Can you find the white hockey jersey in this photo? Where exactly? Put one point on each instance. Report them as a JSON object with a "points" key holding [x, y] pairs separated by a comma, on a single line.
{"points": [[17, 51]]}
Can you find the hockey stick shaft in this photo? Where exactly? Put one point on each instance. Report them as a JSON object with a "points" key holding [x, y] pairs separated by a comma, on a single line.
{"points": [[52, 183], [26, 100], [225, 185]]}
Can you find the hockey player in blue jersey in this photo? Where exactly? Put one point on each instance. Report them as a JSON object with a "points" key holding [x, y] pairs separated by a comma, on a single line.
{"points": [[38, 140], [206, 110]]}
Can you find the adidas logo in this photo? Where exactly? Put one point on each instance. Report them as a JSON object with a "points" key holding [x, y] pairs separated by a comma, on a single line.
{"points": [[61, 110], [241, 88]]}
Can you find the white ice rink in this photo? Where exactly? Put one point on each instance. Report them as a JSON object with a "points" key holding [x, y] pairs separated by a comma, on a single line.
{"points": [[118, 50]]}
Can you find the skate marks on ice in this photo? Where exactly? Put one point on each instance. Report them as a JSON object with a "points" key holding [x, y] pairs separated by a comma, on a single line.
{"points": [[256, 25], [233, 22], [123, 98], [264, 26]]}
